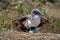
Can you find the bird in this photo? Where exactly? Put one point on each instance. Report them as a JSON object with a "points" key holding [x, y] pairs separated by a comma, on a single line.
{"points": [[34, 20], [29, 22]]}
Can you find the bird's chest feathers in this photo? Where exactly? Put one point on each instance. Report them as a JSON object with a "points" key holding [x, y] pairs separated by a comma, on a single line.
{"points": [[36, 19]]}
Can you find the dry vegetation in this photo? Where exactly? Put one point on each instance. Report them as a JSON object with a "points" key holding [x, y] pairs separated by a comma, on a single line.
{"points": [[13, 35]]}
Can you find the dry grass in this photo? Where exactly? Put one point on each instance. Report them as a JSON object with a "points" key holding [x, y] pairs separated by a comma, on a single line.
{"points": [[14, 35]]}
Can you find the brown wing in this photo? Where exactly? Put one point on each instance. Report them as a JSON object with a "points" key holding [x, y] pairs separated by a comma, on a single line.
{"points": [[18, 24], [44, 20]]}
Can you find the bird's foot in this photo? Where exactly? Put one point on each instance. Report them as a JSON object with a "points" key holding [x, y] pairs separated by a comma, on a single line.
{"points": [[33, 31]]}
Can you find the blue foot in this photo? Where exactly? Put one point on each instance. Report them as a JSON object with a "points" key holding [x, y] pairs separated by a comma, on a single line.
{"points": [[33, 31]]}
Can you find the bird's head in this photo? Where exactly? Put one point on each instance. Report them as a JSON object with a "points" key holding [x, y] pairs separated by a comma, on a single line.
{"points": [[36, 12]]}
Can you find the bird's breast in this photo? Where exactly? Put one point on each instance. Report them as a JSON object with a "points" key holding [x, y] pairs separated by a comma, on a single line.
{"points": [[35, 21]]}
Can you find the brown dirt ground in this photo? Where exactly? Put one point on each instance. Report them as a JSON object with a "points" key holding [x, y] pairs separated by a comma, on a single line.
{"points": [[14, 35]]}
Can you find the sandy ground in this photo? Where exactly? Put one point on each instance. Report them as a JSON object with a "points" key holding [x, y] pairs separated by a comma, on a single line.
{"points": [[14, 35]]}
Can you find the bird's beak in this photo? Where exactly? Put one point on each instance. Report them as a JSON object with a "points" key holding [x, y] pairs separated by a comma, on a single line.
{"points": [[42, 14]]}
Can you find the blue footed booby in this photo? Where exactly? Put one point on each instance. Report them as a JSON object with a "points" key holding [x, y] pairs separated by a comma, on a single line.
{"points": [[34, 20]]}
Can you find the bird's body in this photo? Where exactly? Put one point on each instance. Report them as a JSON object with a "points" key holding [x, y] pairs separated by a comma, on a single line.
{"points": [[34, 20]]}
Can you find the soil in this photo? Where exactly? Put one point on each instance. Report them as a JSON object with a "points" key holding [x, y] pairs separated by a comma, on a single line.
{"points": [[14, 35]]}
